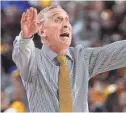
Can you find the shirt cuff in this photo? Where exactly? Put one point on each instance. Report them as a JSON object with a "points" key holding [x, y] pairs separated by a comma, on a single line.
{"points": [[24, 40]]}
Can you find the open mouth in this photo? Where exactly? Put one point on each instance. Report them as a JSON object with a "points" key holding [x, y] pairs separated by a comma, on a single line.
{"points": [[64, 35]]}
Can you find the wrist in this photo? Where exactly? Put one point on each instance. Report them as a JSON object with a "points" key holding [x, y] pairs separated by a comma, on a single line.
{"points": [[26, 36]]}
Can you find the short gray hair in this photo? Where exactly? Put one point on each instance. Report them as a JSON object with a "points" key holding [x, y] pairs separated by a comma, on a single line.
{"points": [[41, 14]]}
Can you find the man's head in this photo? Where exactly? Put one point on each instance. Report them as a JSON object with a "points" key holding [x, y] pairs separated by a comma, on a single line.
{"points": [[55, 28]]}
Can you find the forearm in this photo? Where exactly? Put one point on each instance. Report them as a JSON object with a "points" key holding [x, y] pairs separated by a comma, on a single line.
{"points": [[23, 54], [109, 57]]}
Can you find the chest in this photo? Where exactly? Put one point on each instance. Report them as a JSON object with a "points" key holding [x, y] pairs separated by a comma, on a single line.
{"points": [[48, 71]]}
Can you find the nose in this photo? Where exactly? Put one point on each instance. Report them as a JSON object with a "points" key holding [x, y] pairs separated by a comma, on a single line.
{"points": [[65, 24]]}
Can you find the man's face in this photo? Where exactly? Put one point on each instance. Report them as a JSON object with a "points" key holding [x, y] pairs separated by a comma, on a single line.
{"points": [[57, 29]]}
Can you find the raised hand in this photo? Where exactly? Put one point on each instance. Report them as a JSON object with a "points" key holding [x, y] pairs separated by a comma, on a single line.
{"points": [[29, 23]]}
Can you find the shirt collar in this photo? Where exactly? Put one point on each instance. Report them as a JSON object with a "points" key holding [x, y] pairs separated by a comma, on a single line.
{"points": [[51, 54]]}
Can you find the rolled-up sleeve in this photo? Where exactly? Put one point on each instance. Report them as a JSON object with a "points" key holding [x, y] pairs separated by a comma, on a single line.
{"points": [[24, 56], [106, 58]]}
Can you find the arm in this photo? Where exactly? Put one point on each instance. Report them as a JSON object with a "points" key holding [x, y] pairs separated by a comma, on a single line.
{"points": [[23, 55], [106, 58], [24, 50]]}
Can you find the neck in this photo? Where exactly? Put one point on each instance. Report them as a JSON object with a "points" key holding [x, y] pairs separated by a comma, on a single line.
{"points": [[58, 51]]}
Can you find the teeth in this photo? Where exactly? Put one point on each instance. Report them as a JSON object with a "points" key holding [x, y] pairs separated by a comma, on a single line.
{"points": [[64, 38]]}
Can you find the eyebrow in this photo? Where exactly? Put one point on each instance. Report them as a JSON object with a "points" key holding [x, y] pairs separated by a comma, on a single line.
{"points": [[54, 14], [57, 14]]}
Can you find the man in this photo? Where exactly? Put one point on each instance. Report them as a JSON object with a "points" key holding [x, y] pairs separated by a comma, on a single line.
{"points": [[56, 77]]}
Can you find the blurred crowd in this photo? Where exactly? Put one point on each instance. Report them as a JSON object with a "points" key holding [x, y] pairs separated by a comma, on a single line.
{"points": [[95, 23]]}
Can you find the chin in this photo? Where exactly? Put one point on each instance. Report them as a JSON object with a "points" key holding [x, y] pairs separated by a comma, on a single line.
{"points": [[65, 45]]}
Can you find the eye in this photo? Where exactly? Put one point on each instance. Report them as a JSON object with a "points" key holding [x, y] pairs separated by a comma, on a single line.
{"points": [[67, 19], [58, 20]]}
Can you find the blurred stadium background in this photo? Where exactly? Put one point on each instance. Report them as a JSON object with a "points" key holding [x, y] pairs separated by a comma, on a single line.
{"points": [[95, 23]]}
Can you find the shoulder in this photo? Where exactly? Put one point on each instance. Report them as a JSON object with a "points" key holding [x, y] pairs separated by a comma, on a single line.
{"points": [[81, 51], [75, 49], [80, 48]]}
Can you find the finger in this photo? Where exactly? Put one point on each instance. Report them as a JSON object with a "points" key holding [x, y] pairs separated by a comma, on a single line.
{"points": [[27, 13], [30, 20], [34, 14], [23, 17], [27, 18], [31, 13]]}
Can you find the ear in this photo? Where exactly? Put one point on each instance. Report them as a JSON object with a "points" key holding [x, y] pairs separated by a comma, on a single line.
{"points": [[42, 33]]}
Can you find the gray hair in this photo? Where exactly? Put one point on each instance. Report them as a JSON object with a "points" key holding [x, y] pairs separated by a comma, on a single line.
{"points": [[41, 14]]}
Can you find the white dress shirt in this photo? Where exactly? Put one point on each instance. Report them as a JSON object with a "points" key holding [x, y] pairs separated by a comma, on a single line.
{"points": [[39, 71]]}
